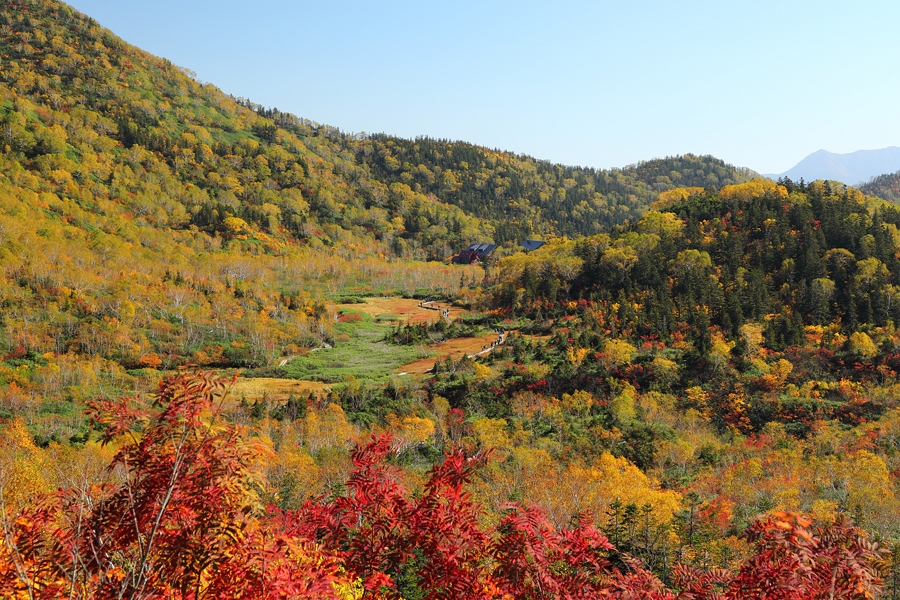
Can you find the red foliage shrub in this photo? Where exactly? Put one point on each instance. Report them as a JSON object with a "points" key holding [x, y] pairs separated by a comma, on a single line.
{"points": [[184, 522]]}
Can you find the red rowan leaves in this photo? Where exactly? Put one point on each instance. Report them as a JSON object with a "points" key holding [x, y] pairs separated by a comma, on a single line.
{"points": [[794, 563], [185, 523]]}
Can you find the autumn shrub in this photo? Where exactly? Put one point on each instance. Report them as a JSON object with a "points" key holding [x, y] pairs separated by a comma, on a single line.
{"points": [[431, 545], [180, 517]]}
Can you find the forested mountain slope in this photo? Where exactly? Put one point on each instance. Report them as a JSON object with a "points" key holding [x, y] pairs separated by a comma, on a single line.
{"points": [[885, 186], [106, 97], [522, 196], [148, 221], [717, 343], [78, 100], [786, 256], [145, 217]]}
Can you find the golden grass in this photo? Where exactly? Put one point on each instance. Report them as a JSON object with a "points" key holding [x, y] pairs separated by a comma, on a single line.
{"points": [[407, 309], [456, 348], [255, 388]]}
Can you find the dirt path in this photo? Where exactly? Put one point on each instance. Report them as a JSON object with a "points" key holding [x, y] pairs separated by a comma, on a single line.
{"points": [[455, 348], [408, 310], [432, 305]]}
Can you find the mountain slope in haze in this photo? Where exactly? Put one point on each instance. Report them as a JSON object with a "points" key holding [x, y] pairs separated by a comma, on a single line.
{"points": [[885, 186], [851, 168]]}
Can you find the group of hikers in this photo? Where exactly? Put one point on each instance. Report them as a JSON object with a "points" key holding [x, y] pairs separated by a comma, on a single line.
{"points": [[501, 334], [445, 312]]}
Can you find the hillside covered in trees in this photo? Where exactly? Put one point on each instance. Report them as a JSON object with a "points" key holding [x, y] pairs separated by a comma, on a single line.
{"points": [[523, 196], [78, 100], [148, 220], [694, 359], [788, 255], [885, 186]]}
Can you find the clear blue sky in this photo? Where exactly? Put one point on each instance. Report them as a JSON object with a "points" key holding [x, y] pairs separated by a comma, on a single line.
{"points": [[603, 84]]}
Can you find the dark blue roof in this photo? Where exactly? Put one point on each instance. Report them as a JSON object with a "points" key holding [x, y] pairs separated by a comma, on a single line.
{"points": [[532, 244], [482, 249]]}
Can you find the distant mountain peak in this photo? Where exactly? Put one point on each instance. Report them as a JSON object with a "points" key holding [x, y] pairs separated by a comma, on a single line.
{"points": [[851, 168]]}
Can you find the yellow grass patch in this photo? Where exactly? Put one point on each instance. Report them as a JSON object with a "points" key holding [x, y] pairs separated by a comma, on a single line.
{"points": [[456, 348], [255, 388], [405, 308]]}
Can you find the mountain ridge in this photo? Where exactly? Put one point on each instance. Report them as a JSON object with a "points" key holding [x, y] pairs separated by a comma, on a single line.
{"points": [[852, 168]]}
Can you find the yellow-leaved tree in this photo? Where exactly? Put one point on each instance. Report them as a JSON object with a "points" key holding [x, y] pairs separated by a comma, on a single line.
{"points": [[22, 465], [862, 344], [617, 353], [758, 188]]}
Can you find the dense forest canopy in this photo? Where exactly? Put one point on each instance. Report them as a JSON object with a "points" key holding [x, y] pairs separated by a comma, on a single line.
{"points": [[786, 255], [526, 197]]}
